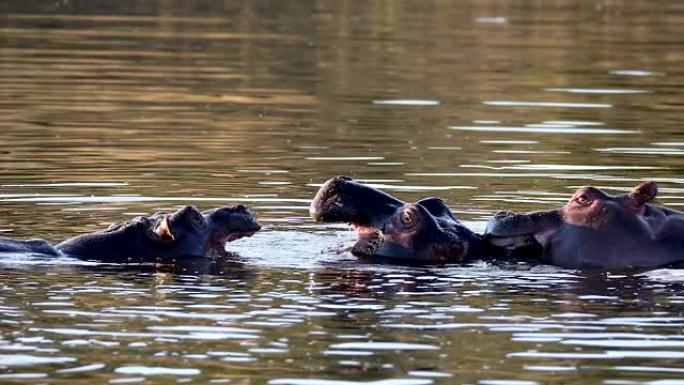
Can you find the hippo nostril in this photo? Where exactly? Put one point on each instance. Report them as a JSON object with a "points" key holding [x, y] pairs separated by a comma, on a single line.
{"points": [[241, 207]]}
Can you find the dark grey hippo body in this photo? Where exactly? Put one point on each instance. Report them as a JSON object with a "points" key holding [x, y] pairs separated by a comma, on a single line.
{"points": [[595, 229], [29, 246], [420, 232], [164, 237]]}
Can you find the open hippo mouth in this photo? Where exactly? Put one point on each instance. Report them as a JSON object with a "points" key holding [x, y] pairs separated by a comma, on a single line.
{"points": [[235, 235], [522, 232], [341, 199], [229, 224], [387, 227], [594, 229], [369, 240], [583, 221]]}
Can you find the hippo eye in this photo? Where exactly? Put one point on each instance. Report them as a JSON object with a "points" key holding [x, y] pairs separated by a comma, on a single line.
{"points": [[197, 218], [583, 200], [407, 218]]}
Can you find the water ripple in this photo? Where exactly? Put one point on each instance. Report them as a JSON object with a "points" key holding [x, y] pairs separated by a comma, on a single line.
{"points": [[514, 103], [29, 360], [311, 381], [157, 371], [407, 102], [545, 130], [383, 346]]}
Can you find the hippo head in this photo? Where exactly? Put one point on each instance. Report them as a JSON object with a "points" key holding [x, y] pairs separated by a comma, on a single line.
{"points": [[228, 224], [164, 237], [182, 233], [424, 231], [592, 229], [191, 232]]}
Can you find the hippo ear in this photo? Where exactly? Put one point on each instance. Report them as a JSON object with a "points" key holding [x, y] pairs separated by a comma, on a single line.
{"points": [[644, 192], [436, 207], [163, 230]]}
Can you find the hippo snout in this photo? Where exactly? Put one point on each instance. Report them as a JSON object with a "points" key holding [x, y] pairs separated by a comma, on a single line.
{"points": [[247, 220], [327, 200], [508, 224]]}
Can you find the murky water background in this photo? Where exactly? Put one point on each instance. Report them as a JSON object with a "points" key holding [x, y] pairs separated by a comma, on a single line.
{"points": [[112, 110]]}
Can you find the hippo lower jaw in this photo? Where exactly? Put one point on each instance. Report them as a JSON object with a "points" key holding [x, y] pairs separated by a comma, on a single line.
{"points": [[373, 243], [522, 232], [217, 244], [369, 240], [235, 235], [522, 247]]}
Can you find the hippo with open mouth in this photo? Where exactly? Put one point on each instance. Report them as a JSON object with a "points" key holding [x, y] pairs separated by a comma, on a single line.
{"points": [[165, 237], [595, 229], [420, 232]]}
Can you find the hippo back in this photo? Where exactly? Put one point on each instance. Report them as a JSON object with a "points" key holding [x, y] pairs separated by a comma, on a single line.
{"points": [[30, 246]]}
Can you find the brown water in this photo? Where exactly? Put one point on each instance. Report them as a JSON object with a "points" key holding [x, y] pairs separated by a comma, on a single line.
{"points": [[112, 110]]}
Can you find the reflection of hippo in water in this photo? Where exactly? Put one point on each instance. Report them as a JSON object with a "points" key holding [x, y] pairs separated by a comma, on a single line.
{"points": [[424, 231], [595, 229], [185, 233]]}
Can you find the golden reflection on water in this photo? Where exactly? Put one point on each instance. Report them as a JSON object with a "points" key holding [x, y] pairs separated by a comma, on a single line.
{"points": [[112, 111]]}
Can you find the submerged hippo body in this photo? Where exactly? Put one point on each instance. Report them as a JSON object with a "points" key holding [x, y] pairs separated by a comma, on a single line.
{"points": [[29, 246], [595, 229], [186, 233], [421, 232]]}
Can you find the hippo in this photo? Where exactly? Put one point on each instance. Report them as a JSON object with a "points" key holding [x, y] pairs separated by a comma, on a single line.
{"points": [[390, 229], [595, 230], [29, 246], [164, 237]]}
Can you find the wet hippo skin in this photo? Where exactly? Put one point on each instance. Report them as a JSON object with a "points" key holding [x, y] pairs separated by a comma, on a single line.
{"points": [[422, 232], [186, 233], [29, 246], [595, 229]]}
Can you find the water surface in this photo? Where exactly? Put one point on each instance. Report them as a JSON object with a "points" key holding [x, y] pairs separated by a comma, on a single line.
{"points": [[110, 111]]}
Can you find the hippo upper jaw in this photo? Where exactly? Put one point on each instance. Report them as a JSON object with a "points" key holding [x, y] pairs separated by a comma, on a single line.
{"points": [[227, 225], [341, 199]]}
